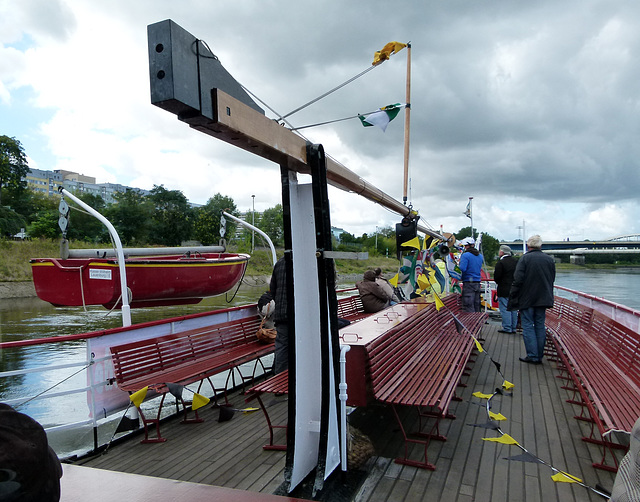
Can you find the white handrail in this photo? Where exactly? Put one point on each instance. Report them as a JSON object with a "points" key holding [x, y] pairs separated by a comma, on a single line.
{"points": [[126, 309], [255, 229]]}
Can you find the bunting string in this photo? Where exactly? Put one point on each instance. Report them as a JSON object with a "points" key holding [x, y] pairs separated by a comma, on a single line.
{"points": [[337, 120]]}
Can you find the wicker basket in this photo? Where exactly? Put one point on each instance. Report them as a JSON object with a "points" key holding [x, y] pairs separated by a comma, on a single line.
{"points": [[359, 448]]}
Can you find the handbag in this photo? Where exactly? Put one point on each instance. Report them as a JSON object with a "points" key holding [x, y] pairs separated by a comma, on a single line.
{"points": [[266, 335]]}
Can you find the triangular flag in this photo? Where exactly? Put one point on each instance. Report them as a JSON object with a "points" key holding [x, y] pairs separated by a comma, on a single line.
{"points": [[175, 389], [504, 439], [249, 410], [497, 416], [127, 424], [482, 396], [137, 397], [423, 282], [459, 326], [439, 302], [226, 413], [394, 281], [199, 401], [381, 118], [563, 477], [478, 345], [384, 54], [413, 243], [507, 385], [497, 364]]}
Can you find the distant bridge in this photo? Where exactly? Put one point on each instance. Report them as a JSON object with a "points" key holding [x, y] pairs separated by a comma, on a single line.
{"points": [[621, 244]]}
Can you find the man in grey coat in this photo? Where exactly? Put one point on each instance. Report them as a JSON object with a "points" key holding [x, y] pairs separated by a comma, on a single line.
{"points": [[532, 294]]}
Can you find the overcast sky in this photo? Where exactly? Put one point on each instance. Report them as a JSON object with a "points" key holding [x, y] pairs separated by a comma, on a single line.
{"points": [[531, 108]]}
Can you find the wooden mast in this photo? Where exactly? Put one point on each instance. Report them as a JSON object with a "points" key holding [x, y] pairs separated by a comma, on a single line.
{"points": [[407, 126]]}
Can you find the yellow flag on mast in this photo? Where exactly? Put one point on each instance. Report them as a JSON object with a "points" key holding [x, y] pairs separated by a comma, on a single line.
{"points": [[384, 54]]}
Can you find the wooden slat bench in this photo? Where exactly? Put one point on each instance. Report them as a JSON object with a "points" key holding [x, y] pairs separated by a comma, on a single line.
{"points": [[420, 363], [349, 308], [188, 357], [602, 360]]}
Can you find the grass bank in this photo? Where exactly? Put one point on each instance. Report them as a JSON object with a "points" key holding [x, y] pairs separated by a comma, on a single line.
{"points": [[15, 256]]}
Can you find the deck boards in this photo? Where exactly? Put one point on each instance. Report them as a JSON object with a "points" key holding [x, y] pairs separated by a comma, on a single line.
{"points": [[230, 453]]}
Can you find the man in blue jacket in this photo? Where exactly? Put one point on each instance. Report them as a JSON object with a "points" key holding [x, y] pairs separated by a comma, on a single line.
{"points": [[471, 267], [532, 294]]}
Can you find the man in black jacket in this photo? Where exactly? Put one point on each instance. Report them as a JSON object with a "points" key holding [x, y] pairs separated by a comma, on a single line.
{"points": [[503, 275], [278, 290], [531, 294]]}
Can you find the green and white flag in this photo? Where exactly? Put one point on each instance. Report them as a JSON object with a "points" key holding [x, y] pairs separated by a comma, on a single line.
{"points": [[382, 117]]}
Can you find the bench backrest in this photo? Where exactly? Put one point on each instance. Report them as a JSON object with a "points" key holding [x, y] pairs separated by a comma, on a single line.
{"points": [[350, 307], [145, 357], [619, 343]]}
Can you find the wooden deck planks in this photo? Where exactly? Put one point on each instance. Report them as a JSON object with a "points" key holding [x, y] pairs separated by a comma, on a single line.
{"points": [[467, 468]]}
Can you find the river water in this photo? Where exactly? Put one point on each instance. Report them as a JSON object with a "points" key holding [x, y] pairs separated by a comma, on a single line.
{"points": [[30, 318]]}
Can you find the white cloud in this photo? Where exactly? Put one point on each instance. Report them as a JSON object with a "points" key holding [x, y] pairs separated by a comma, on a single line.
{"points": [[532, 109]]}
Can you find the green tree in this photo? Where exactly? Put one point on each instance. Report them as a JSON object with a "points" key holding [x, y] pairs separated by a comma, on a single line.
{"points": [[84, 226], [172, 218], [45, 225], [272, 224], [207, 220], [10, 222], [131, 216], [13, 166]]}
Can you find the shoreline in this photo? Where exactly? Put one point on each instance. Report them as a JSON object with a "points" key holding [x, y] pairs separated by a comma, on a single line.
{"points": [[17, 289], [26, 289]]}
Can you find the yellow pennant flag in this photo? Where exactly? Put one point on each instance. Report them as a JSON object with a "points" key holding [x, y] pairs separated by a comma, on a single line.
{"points": [[496, 416], [504, 439], [413, 243], [138, 396], [482, 396], [507, 385], [250, 410], [394, 281], [423, 282], [439, 302], [563, 477], [478, 345], [387, 50], [199, 401]]}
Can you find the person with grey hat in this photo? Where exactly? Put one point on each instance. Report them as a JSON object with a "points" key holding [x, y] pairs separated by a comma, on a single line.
{"points": [[29, 469], [503, 276]]}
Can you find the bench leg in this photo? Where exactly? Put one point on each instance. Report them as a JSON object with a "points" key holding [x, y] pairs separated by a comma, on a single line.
{"points": [[607, 447], [406, 460], [186, 419], [156, 421], [271, 446], [215, 393]]}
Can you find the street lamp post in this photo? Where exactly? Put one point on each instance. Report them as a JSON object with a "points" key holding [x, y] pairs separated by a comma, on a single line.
{"points": [[253, 221]]}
